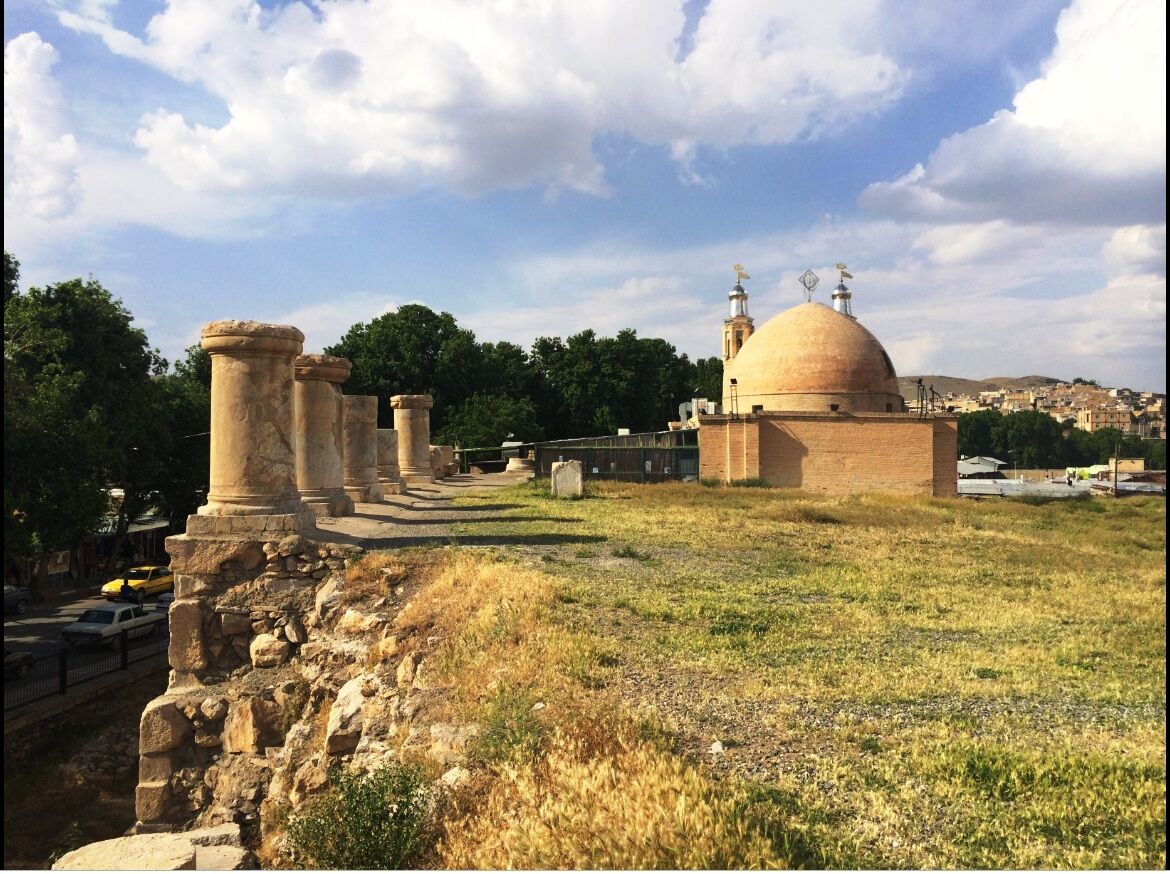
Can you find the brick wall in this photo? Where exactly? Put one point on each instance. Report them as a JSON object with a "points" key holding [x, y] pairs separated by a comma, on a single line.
{"points": [[836, 454]]}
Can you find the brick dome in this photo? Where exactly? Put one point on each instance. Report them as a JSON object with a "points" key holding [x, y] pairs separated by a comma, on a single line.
{"points": [[812, 358]]}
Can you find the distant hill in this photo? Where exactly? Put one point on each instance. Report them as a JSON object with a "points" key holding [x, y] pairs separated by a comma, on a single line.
{"points": [[957, 385]]}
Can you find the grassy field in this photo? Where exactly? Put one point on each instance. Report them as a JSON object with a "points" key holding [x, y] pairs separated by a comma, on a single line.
{"points": [[870, 681]]}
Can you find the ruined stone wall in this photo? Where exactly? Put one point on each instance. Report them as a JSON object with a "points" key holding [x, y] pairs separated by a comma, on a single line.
{"points": [[240, 605]]}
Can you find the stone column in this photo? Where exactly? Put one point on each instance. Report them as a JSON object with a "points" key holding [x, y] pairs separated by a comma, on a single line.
{"points": [[360, 423], [412, 421], [253, 485], [317, 408], [388, 473]]}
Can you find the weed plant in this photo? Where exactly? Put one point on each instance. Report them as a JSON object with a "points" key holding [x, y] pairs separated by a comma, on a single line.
{"points": [[366, 821]]}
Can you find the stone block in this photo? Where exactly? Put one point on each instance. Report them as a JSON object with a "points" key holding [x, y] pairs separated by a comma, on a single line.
{"points": [[162, 728], [234, 623], [568, 479], [189, 586], [152, 801], [224, 859], [268, 651], [146, 852], [344, 729], [207, 554], [252, 724], [155, 768], [187, 651]]}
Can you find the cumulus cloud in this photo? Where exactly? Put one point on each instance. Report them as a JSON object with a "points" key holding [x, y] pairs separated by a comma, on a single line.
{"points": [[1084, 144], [360, 99], [40, 151]]}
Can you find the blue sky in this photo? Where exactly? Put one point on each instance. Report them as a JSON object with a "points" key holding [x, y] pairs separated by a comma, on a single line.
{"points": [[993, 173]]}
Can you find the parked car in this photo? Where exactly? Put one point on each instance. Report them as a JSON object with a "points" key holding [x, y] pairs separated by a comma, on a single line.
{"points": [[15, 599], [147, 579], [17, 664], [164, 602], [104, 624]]}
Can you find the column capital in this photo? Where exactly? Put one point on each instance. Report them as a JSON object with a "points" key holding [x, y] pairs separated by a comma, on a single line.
{"points": [[257, 338], [327, 368], [412, 402]]}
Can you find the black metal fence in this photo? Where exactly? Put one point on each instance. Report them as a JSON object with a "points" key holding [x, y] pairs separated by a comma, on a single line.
{"points": [[645, 463], [54, 673]]}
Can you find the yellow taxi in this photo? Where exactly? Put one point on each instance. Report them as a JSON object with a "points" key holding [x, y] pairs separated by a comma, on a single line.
{"points": [[147, 579]]}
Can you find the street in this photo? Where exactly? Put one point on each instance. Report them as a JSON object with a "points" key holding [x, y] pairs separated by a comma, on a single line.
{"points": [[38, 632]]}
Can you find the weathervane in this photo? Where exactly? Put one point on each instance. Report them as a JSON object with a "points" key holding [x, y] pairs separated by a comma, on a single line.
{"points": [[739, 273], [809, 280], [845, 274]]}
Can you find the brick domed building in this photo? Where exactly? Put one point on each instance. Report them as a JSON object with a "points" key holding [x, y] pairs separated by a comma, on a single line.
{"points": [[811, 400]]}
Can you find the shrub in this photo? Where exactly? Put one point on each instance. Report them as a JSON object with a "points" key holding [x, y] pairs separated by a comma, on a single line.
{"points": [[751, 482], [512, 730], [375, 820]]}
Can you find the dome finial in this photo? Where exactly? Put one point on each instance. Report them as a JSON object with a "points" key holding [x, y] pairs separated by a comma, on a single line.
{"points": [[809, 280], [842, 294]]}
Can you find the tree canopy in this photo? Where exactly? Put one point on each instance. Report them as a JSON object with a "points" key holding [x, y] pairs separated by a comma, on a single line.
{"points": [[1030, 439], [582, 386], [91, 419]]}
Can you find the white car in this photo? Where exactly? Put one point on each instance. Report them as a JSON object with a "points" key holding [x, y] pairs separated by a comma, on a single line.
{"points": [[104, 624]]}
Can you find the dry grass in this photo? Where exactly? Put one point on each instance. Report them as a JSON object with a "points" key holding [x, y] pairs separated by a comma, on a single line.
{"points": [[634, 807], [899, 682]]}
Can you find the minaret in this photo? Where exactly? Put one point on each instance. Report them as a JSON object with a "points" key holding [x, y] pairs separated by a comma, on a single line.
{"points": [[842, 294], [738, 326]]}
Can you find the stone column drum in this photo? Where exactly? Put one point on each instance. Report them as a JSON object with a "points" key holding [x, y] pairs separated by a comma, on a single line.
{"points": [[412, 421], [388, 473], [317, 408], [360, 423], [253, 461]]}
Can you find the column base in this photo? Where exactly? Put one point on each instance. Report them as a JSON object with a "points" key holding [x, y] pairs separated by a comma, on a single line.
{"points": [[336, 504], [391, 487], [417, 478], [258, 527], [371, 493]]}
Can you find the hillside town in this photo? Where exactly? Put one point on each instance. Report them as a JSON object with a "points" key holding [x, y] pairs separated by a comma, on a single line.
{"points": [[1090, 406]]}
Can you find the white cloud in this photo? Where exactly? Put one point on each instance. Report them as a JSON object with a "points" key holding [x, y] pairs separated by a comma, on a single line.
{"points": [[972, 300], [368, 99], [40, 151], [1084, 144]]}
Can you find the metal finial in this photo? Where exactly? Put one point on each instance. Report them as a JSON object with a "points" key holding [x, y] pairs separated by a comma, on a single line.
{"points": [[809, 280]]}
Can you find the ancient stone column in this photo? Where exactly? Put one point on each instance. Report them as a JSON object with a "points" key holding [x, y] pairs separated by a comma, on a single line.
{"points": [[317, 409], [412, 421], [388, 473], [360, 424], [253, 461]]}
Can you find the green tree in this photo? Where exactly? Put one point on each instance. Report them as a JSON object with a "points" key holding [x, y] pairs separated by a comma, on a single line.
{"points": [[709, 379], [976, 433], [413, 350], [489, 420], [80, 412]]}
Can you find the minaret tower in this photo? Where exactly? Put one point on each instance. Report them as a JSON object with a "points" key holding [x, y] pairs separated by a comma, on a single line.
{"points": [[738, 326], [842, 294]]}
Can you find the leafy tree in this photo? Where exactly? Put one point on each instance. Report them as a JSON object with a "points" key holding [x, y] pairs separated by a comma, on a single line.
{"points": [[1080, 380], [80, 412], [489, 420], [412, 350], [11, 277], [976, 433], [709, 379]]}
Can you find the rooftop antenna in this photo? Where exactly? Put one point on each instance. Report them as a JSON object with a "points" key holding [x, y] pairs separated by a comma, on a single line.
{"points": [[809, 280], [842, 294]]}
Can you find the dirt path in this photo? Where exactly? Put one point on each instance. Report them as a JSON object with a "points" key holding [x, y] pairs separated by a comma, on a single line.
{"points": [[423, 515]]}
